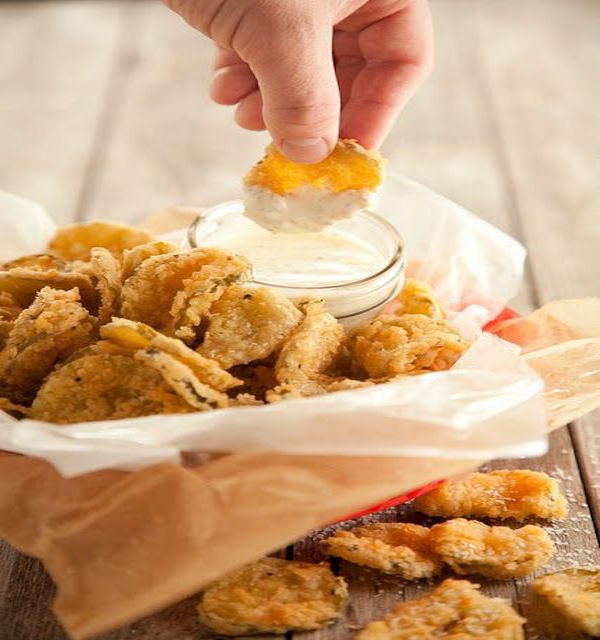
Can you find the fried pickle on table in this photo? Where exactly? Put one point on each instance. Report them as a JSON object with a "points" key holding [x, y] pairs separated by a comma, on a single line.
{"points": [[273, 596], [572, 599], [470, 547], [398, 548], [44, 334], [105, 387], [390, 346], [75, 242], [133, 258], [418, 297], [517, 494], [174, 291], [248, 324], [455, 610], [107, 270], [309, 351], [129, 337]]}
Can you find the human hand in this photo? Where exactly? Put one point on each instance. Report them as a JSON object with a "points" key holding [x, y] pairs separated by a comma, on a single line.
{"points": [[274, 60]]}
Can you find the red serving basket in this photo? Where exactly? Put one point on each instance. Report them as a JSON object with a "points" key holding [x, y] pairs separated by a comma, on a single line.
{"points": [[506, 314]]}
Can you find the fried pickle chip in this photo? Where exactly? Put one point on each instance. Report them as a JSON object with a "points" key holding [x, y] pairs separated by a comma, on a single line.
{"points": [[174, 291], [310, 350], [44, 334], [273, 596], [399, 548], [390, 346], [418, 297], [517, 494], [9, 309], [38, 261], [455, 610], [572, 598], [105, 387], [247, 324], [134, 257], [471, 547], [107, 270], [181, 378], [75, 242], [132, 336]]}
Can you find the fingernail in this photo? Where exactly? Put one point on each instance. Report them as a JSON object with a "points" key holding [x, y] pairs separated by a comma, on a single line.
{"points": [[307, 150]]}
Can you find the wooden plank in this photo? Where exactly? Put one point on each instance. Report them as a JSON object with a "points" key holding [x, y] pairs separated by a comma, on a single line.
{"points": [[586, 440], [56, 62]]}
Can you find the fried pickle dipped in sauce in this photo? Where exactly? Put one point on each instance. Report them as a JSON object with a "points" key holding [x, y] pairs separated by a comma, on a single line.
{"points": [[571, 600], [44, 334], [389, 346], [173, 292], [397, 548], [455, 610], [248, 324], [285, 196], [470, 547], [518, 494], [76, 242], [273, 596], [105, 387]]}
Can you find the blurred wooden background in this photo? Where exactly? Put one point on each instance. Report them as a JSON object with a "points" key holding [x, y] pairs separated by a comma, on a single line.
{"points": [[104, 112]]}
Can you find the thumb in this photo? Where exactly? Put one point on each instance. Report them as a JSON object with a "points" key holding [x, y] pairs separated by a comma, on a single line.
{"points": [[293, 64]]}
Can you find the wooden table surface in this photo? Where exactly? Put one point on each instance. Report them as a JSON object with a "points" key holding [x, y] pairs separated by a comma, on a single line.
{"points": [[103, 112]]}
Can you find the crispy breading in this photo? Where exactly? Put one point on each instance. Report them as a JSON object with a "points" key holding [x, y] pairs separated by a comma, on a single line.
{"points": [[174, 291], [517, 494], [572, 597], [471, 547], [310, 350], [105, 387], [9, 309], [348, 167], [130, 336], [245, 400], [418, 297], [75, 242], [15, 410], [273, 596], [107, 270], [345, 384], [257, 379], [37, 261], [455, 610], [133, 257], [246, 324], [393, 547], [44, 334], [390, 345]]}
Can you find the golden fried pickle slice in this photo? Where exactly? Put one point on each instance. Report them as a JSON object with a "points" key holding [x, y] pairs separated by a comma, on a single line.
{"points": [[418, 297], [348, 167], [105, 387], [9, 309], [109, 281], [471, 547], [455, 610], [310, 350], [517, 494], [273, 596], [44, 334], [75, 242], [175, 290], [247, 324], [38, 261], [133, 257], [129, 337], [390, 346], [399, 548], [572, 598]]}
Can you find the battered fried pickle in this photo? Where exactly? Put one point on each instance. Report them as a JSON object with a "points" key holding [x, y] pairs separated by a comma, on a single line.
{"points": [[455, 610], [310, 350], [75, 242], [38, 261], [174, 291], [133, 257], [572, 598], [105, 387], [107, 270], [15, 410], [130, 336], [470, 547], [418, 297], [389, 346], [247, 324], [273, 596], [9, 309], [517, 494], [394, 547], [47, 332]]}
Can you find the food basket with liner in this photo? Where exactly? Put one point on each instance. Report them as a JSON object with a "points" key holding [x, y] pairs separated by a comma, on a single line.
{"points": [[130, 516]]}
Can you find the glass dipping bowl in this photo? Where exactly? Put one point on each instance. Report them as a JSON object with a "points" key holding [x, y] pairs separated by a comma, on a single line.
{"points": [[352, 301]]}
